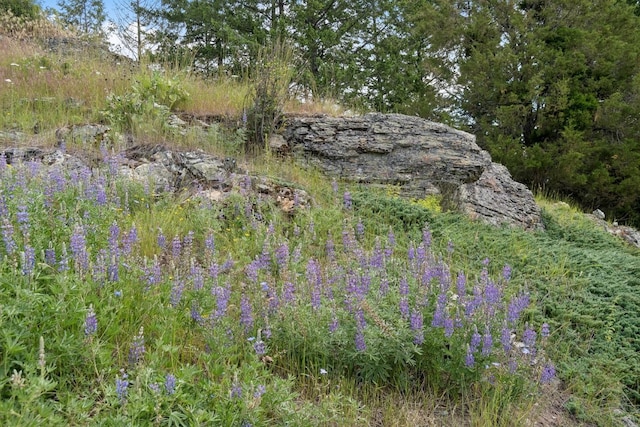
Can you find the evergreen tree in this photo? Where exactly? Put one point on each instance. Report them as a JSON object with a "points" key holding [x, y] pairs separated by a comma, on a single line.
{"points": [[85, 15], [550, 88]]}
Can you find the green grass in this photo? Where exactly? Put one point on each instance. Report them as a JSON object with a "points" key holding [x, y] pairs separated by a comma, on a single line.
{"points": [[582, 281]]}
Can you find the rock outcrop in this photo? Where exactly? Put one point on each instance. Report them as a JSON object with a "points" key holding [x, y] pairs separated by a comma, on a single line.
{"points": [[419, 156]]}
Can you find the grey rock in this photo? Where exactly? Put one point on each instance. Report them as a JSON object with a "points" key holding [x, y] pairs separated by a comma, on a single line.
{"points": [[497, 199], [598, 214], [89, 134], [419, 156]]}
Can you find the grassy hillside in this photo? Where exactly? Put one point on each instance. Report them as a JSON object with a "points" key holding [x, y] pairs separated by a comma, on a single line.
{"points": [[119, 306]]}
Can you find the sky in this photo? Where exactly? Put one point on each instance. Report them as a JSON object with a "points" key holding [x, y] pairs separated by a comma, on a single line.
{"points": [[109, 6]]}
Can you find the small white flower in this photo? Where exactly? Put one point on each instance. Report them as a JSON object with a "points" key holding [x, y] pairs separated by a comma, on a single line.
{"points": [[8, 80], [323, 371], [43, 68], [13, 64], [98, 73]]}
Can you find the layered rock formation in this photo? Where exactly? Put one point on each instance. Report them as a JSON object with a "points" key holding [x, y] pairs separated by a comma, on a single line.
{"points": [[420, 156]]}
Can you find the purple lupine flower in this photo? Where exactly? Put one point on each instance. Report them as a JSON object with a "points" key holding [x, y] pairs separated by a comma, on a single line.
{"points": [[516, 306], [439, 314], [359, 228], [113, 269], [78, 246], [346, 199], [384, 287], [137, 349], [259, 347], [209, 243], [227, 266], [426, 237], [547, 374], [22, 217], [28, 260], [176, 247], [114, 236], [416, 326], [450, 247], [404, 307], [448, 327], [236, 390], [50, 256], [469, 360], [99, 267], [197, 276], [411, 252], [333, 326], [403, 287], [90, 322], [187, 242], [195, 313], [260, 390], [474, 303], [130, 239], [246, 316], [176, 292], [170, 384], [101, 195], [121, 387], [330, 248], [505, 339], [361, 322], [377, 258], [282, 256], [544, 330], [506, 273], [487, 342], [529, 337], [252, 270], [155, 388], [153, 274], [492, 294], [513, 365], [476, 339], [361, 345], [214, 270], [222, 301], [288, 292], [162, 240]]}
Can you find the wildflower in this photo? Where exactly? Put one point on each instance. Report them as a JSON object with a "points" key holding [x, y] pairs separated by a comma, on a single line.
{"points": [[487, 342], [426, 237], [246, 317], [78, 248], [288, 292], [176, 247], [348, 204], [50, 256], [506, 273], [195, 313], [260, 390], [90, 322], [122, 384], [547, 374], [162, 240], [323, 371], [505, 339], [155, 388], [416, 325], [544, 330], [209, 243], [469, 360], [448, 327], [236, 390], [515, 307], [117, 293], [476, 339], [529, 337], [359, 228], [170, 384], [22, 216], [137, 349], [7, 236], [28, 260], [333, 326], [176, 292], [260, 347], [282, 255]]}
